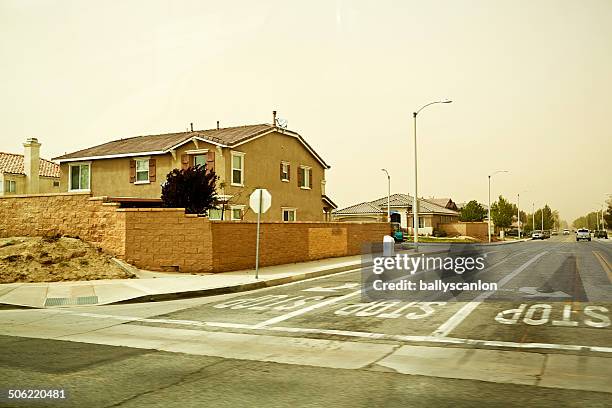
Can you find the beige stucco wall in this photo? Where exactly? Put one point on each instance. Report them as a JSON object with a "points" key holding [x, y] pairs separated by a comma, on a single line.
{"points": [[358, 218], [262, 158], [45, 184], [262, 169]]}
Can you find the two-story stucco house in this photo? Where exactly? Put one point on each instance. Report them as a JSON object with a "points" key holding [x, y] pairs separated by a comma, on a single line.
{"points": [[28, 173], [244, 158]]}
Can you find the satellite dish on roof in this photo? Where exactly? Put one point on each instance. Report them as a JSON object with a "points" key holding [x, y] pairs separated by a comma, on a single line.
{"points": [[281, 123]]}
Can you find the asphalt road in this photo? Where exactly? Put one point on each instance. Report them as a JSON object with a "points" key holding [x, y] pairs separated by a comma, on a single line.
{"points": [[543, 339]]}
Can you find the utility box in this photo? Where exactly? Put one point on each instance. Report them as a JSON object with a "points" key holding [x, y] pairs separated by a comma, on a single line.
{"points": [[388, 245]]}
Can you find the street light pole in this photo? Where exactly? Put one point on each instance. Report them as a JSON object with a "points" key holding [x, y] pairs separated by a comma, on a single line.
{"points": [[489, 209], [415, 200], [388, 195], [518, 214], [532, 217]]}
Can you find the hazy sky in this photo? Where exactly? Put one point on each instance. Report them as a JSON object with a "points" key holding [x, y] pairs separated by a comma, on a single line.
{"points": [[531, 83]]}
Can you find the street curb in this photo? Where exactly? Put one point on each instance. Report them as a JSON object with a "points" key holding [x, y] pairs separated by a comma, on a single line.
{"points": [[237, 288]]}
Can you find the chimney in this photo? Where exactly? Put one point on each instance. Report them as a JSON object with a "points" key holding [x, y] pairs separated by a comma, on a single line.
{"points": [[217, 125], [274, 118], [191, 126], [31, 164]]}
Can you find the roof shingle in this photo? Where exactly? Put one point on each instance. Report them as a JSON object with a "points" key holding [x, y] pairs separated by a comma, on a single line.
{"points": [[395, 200], [157, 143]]}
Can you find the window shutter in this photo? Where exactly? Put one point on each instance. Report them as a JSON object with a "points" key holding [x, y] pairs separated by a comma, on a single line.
{"points": [[288, 171], [185, 161], [132, 171], [281, 170], [210, 161], [300, 177], [310, 178], [152, 171]]}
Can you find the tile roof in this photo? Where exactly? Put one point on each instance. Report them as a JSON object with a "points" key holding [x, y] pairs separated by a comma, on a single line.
{"points": [[361, 208], [396, 200], [161, 143], [443, 202], [13, 163]]}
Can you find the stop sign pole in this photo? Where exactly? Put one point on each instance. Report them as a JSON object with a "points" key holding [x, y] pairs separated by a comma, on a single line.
{"points": [[257, 242], [260, 201]]}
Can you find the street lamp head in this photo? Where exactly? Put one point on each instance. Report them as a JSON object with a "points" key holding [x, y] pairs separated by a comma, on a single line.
{"points": [[446, 101]]}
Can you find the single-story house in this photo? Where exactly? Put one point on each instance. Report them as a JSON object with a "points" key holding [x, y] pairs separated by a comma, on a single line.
{"points": [[430, 213]]}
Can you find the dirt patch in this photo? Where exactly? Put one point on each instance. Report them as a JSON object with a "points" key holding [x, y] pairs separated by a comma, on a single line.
{"points": [[53, 259]]}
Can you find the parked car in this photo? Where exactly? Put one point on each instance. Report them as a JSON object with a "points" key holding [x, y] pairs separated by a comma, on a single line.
{"points": [[583, 234], [554, 232], [601, 234], [566, 232], [546, 234], [537, 234], [512, 233]]}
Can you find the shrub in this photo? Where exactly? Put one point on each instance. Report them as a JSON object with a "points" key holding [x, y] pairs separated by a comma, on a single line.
{"points": [[192, 189], [439, 233]]}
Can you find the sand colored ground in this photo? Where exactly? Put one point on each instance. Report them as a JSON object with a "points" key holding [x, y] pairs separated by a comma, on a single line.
{"points": [[25, 259]]}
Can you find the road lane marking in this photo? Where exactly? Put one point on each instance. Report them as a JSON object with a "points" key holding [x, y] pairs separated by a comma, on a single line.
{"points": [[469, 307], [346, 333], [307, 309], [604, 264]]}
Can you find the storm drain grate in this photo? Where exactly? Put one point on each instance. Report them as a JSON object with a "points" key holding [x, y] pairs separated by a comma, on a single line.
{"points": [[81, 300]]}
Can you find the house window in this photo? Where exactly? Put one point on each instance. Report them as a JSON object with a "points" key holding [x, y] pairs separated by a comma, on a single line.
{"points": [[56, 184], [284, 174], [214, 214], [305, 178], [199, 159], [289, 214], [79, 175], [236, 212], [421, 222], [10, 186], [237, 169], [142, 170]]}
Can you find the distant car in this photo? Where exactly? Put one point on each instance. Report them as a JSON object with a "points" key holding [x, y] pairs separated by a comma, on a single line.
{"points": [[601, 234], [566, 232], [512, 233], [554, 232], [583, 234], [537, 234], [546, 234]]}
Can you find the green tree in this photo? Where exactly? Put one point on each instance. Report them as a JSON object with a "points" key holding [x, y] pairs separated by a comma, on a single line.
{"points": [[192, 189], [550, 219], [472, 211], [502, 213], [608, 214]]}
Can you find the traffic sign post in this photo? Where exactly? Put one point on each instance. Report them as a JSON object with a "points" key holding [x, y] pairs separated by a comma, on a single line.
{"points": [[260, 201]]}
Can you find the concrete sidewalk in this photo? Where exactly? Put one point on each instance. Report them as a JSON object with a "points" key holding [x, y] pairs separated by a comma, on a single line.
{"points": [[159, 286]]}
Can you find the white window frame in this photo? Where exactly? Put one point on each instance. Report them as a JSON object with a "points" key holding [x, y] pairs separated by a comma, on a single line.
{"points": [[77, 190], [136, 181], [241, 155], [236, 207], [306, 178], [285, 166], [288, 209]]}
